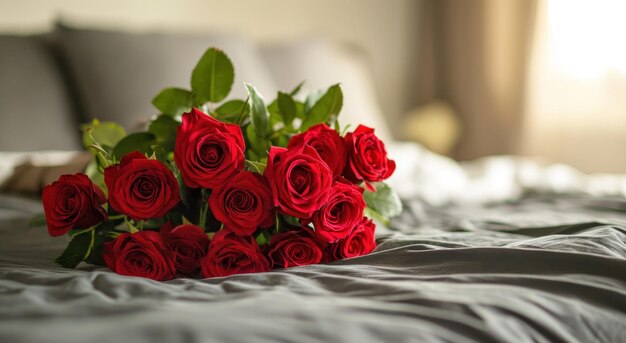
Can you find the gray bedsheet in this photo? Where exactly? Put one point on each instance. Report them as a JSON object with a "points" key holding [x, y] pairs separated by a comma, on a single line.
{"points": [[542, 269]]}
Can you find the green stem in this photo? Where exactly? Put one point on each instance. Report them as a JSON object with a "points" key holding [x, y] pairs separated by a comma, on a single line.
{"points": [[240, 117], [91, 243], [82, 231], [277, 226], [204, 210]]}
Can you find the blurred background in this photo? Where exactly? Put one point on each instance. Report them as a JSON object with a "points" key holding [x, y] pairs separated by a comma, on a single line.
{"points": [[538, 78]]}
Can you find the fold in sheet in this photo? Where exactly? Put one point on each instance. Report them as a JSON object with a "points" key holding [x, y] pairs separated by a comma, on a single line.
{"points": [[543, 269]]}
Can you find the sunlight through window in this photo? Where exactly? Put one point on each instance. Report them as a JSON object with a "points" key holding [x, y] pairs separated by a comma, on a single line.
{"points": [[576, 108], [586, 38]]}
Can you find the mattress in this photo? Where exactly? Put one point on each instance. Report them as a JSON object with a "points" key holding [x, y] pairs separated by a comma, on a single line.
{"points": [[543, 268]]}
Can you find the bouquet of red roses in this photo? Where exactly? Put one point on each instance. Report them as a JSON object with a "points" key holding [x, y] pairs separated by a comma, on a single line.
{"points": [[216, 187]]}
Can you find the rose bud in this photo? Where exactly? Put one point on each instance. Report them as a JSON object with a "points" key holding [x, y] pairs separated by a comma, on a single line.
{"points": [[341, 213], [328, 144], [72, 202], [231, 254], [141, 188], [139, 254], [294, 248], [188, 244], [359, 242], [367, 157], [243, 203], [207, 151], [299, 179]]}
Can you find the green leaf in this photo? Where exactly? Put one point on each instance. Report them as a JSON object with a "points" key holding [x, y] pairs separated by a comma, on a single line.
{"points": [[258, 112], [77, 250], [300, 112], [384, 201], [281, 140], [186, 193], [256, 167], [287, 108], [372, 214], [276, 119], [140, 141], [336, 124], [102, 234], [312, 98], [106, 134], [345, 130], [159, 154], [100, 138], [258, 147], [296, 90], [213, 77], [96, 174], [233, 111], [327, 107], [164, 130], [291, 220], [173, 101], [263, 238], [283, 111]]}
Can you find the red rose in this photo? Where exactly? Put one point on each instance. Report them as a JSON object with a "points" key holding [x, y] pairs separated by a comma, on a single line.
{"points": [[294, 248], [231, 254], [243, 203], [367, 157], [207, 151], [360, 241], [341, 212], [72, 202], [299, 179], [139, 254], [328, 144], [188, 245], [141, 188]]}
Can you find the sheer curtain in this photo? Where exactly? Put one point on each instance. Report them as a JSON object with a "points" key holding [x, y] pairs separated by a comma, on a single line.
{"points": [[576, 98]]}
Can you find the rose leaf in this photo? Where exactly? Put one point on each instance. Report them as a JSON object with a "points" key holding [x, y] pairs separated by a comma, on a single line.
{"points": [[233, 111], [164, 130], [173, 101], [76, 250], [384, 201], [212, 78], [259, 117], [140, 141], [327, 107]]}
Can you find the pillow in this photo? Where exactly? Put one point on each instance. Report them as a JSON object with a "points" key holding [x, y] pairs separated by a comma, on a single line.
{"points": [[321, 64], [117, 73], [36, 111]]}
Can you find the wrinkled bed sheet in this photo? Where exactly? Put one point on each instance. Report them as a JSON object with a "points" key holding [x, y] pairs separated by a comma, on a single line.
{"points": [[541, 269]]}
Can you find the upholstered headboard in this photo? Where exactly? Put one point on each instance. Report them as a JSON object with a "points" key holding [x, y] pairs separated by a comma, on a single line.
{"points": [[49, 86]]}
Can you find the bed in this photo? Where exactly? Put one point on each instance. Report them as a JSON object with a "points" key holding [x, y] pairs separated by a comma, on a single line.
{"points": [[541, 267], [497, 250]]}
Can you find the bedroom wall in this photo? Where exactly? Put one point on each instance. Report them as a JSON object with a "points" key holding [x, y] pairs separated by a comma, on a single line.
{"points": [[384, 29]]}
